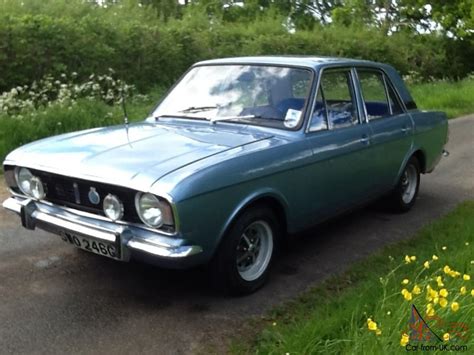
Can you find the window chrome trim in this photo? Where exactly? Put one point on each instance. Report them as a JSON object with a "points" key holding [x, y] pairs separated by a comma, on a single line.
{"points": [[387, 83], [318, 85], [304, 110], [387, 95]]}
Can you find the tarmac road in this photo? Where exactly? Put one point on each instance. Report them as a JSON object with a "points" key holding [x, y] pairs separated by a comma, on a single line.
{"points": [[55, 299]]}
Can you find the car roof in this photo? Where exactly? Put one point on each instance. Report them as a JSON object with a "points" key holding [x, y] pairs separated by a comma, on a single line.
{"points": [[291, 60]]}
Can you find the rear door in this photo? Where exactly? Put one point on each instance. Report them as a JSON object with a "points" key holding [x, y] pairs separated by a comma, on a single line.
{"points": [[391, 128], [339, 175]]}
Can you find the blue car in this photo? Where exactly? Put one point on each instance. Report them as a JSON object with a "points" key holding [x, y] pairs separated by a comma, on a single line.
{"points": [[239, 154]]}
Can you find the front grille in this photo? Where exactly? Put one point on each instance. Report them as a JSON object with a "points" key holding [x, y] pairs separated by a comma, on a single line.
{"points": [[74, 193]]}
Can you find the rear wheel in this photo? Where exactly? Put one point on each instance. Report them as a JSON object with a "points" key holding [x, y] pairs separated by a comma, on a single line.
{"points": [[242, 263], [404, 195]]}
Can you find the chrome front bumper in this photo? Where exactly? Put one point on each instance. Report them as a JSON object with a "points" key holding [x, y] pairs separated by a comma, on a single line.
{"points": [[134, 241]]}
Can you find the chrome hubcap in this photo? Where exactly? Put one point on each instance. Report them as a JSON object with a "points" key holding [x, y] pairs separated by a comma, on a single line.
{"points": [[254, 250], [409, 183]]}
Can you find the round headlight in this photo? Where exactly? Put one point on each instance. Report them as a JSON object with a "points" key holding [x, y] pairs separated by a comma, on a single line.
{"points": [[149, 209], [23, 179], [113, 207], [37, 188]]}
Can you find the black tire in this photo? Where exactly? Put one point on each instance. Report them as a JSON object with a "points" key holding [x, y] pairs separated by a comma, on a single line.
{"points": [[400, 200], [226, 275]]}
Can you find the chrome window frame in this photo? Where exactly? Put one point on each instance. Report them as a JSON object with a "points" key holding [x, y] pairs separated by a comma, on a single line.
{"points": [[353, 90], [305, 110], [387, 83]]}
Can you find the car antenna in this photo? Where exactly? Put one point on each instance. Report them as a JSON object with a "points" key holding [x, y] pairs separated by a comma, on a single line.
{"points": [[124, 108]]}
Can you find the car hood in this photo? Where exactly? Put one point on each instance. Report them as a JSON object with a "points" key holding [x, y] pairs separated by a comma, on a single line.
{"points": [[135, 157]]}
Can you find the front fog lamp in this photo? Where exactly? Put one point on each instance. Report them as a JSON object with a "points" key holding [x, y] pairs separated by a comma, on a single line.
{"points": [[113, 207], [154, 212], [23, 179]]}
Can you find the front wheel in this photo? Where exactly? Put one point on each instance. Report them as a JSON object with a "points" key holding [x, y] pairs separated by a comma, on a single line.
{"points": [[404, 195], [242, 263]]}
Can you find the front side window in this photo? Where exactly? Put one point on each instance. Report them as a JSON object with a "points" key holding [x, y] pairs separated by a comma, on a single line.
{"points": [[335, 105], [251, 94], [374, 92]]}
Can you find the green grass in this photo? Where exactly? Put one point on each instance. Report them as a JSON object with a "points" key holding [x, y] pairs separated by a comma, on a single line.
{"points": [[332, 318], [454, 98]]}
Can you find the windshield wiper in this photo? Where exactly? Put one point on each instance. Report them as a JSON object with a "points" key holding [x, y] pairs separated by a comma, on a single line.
{"points": [[198, 108], [233, 118], [182, 116]]}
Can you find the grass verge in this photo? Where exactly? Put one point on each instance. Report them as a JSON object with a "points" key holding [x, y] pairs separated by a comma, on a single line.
{"points": [[335, 318], [454, 98]]}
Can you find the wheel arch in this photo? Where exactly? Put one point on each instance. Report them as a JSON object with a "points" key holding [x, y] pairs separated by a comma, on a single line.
{"points": [[267, 197], [420, 155]]}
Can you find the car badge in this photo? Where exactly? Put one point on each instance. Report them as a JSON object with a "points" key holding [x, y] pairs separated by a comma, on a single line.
{"points": [[94, 196]]}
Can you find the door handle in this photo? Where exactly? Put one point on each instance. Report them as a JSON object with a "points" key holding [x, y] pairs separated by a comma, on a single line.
{"points": [[405, 129], [364, 140]]}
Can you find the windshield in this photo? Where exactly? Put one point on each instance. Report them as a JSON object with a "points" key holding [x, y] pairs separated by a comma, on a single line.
{"points": [[252, 94]]}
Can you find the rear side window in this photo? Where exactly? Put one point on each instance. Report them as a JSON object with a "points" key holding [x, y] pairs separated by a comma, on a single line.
{"points": [[379, 98]]}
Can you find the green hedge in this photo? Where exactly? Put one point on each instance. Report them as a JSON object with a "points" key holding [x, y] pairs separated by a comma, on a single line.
{"points": [[148, 52]]}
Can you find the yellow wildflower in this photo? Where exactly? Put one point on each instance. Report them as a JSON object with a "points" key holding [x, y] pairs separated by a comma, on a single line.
{"points": [[434, 257], [404, 340], [274, 324], [407, 294], [407, 259], [446, 269], [467, 243], [463, 290], [466, 277], [472, 292], [371, 324], [416, 290], [444, 247], [413, 257], [426, 264], [378, 332], [389, 313], [405, 282], [430, 310], [436, 300], [439, 280], [433, 293], [446, 336], [443, 292], [455, 306], [454, 273], [443, 302]]}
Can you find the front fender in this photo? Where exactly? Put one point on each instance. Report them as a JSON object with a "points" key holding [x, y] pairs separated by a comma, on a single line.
{"points": [[250, 199]]}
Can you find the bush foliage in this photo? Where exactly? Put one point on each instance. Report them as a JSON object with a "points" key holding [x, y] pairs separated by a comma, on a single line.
{"points": [[52, 37]]}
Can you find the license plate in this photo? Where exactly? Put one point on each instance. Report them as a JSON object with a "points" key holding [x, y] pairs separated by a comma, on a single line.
{"points": [[103, 248]]}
